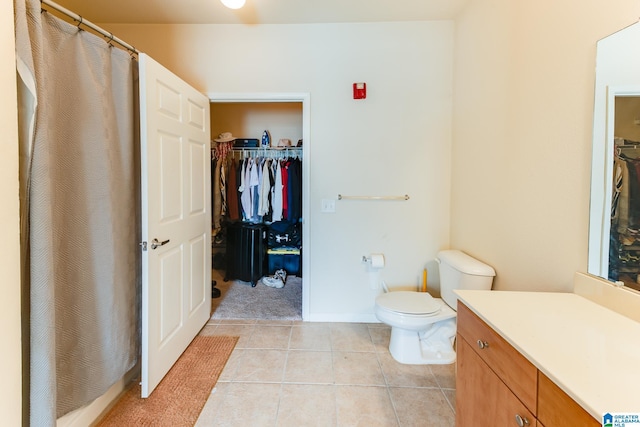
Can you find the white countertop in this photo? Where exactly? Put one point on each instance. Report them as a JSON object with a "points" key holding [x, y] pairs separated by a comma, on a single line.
{"points": [[592, 353]]}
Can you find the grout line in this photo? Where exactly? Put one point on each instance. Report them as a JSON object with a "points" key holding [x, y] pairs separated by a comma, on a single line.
{"points": [[332, 331]]}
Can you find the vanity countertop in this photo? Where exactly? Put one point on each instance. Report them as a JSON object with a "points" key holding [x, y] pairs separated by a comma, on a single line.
{"points": [[591, 352]]}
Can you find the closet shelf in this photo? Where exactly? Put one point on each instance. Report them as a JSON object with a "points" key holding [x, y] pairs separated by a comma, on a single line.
{"points": [[266, 148]]}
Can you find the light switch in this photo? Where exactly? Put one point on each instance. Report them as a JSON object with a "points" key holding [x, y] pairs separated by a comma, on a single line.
{"points": [[328, 205]]}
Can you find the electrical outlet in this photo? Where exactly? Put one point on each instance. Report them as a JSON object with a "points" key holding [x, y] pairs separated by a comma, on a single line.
{"points": [[328, 205]]}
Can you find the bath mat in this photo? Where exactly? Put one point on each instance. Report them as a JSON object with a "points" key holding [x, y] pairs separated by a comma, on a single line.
{"points": [[181, 395]]}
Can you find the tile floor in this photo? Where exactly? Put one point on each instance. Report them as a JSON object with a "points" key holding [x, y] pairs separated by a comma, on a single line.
{"points": [[291, 373]]}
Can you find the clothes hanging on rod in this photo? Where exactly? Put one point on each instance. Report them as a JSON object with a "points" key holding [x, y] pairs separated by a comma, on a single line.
{"points": [[271, 153], [624, 248], [268, 189], [254, 185], [219, 167]]}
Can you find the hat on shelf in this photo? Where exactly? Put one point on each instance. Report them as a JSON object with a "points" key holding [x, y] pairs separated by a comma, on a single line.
{"points": [[225, 137], [283, 143]]}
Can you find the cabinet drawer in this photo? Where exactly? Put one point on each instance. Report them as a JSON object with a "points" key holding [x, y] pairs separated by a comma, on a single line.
{"points": [[482, 399], [509, 365], [557, 409]]}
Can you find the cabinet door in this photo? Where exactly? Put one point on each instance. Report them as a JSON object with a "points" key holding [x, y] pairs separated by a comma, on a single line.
{"points": [[557, 409], [482, 399], [510, 366]]}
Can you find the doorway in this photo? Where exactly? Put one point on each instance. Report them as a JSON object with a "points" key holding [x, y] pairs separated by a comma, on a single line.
{"points": [[277, 108]]}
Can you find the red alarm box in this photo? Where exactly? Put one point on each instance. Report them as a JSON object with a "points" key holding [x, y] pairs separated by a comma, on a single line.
{"points": [[359, 90]]}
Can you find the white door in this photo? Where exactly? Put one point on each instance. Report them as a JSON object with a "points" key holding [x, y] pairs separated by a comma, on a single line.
{"points": [[176, 218]]}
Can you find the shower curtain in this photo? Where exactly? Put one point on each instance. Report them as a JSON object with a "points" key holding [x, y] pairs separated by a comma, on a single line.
{"points": [[79, 185]]}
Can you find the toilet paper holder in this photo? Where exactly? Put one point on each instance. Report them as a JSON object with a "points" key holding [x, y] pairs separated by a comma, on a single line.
{"points": [[376, 260]]}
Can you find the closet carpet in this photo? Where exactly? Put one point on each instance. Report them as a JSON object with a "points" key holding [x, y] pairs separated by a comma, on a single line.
{"points": [[241, 301], [183, 392]]}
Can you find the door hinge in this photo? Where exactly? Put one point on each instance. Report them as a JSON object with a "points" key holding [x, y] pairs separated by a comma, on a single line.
{"points": [[144, 245]]}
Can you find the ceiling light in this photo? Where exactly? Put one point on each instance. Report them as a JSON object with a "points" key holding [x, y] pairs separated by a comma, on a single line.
{"points": [[233, 4]]}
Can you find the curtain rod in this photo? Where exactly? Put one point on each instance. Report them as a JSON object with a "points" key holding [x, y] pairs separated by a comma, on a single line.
{"points": [[81, 21]]}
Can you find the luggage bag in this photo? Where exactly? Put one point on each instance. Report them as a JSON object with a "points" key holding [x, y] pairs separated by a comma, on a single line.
{"points": [[246, 251]]}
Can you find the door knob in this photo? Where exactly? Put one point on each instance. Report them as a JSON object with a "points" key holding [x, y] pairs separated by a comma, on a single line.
{"points": [[155, 243]]}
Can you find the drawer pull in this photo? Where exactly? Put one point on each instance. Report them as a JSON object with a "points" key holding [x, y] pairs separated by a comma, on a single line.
{"points": [[483, 344], [522, 422]]}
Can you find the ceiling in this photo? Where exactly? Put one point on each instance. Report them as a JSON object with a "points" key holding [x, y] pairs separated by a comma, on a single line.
{"points": [[262, 11]]}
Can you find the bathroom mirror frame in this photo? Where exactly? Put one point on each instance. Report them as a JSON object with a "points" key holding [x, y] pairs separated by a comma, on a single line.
{"points": [[617, 75], [602, 183]]}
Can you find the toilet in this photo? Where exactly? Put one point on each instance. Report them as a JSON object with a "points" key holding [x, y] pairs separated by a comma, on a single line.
{"points": [[423, 328]]}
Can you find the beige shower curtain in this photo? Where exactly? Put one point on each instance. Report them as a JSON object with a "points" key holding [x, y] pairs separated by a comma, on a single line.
{"points": [[79, 198]]}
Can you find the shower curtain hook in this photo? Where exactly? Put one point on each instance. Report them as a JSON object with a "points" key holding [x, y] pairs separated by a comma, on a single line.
{"points": [[79, 22], [110, 40]]}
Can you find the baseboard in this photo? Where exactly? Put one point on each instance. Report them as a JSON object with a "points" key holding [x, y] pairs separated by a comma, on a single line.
{"points": [[89, 414], [342, 317]]}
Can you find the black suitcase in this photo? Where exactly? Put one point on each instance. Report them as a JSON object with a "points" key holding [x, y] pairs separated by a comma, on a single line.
{"points": [[246, 142], [246, 251]]}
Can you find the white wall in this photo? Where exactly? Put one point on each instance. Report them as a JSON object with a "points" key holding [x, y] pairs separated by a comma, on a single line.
{"points": [[10, 357], [250, 119], [395, 142], [523, 109]]}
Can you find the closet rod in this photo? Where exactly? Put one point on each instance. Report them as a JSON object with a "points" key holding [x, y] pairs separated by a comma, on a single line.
{"points": [[81, 21], [266, 148], [341, 197]]}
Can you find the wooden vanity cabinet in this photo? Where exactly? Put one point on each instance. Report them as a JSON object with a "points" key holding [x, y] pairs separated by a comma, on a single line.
{"points": [[482, 399], [496, 386], [557, 409]]}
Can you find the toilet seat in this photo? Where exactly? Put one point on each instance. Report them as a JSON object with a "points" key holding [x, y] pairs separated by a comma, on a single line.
{"points": [[409, 303]]}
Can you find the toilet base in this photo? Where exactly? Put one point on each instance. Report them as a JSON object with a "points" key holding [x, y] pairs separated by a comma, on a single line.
{"points": [[433, 346]]}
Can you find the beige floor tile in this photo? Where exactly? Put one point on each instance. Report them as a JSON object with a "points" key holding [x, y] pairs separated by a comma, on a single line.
{"points": [[323, 374], [364, 406], [310, 337], [229, 371], [422, 407], [307, 405], [377, 325], [380, 337], [261, 366], [211, 407], [357, 368], [312, 367], [242, 331], [351, 337], [402, 375], [270, 337], [209, 330], [273, 322], [445, 375], [242, 404], [451, 398], [238, 321]]}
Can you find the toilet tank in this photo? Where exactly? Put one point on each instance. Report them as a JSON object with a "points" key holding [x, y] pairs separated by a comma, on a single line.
{"points": [[460, 271]]}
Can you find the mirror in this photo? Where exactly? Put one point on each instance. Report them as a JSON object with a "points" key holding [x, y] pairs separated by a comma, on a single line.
{"points": [[614, 224]]}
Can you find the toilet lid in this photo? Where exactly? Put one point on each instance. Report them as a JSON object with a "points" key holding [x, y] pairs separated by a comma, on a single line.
{"points": [[409, 302]]}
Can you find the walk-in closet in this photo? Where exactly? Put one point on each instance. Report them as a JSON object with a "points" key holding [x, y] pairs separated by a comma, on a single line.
{"points": [[256, 194]]}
